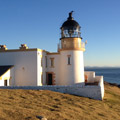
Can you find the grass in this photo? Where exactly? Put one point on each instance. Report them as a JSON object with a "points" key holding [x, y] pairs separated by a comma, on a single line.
{"points": [[30, 104]]}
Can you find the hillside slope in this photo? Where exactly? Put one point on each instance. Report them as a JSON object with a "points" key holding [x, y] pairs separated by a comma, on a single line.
{"points": [[29, 104]]}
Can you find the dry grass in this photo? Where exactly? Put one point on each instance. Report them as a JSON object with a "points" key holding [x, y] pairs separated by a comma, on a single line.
{"points": [[29, 104]]}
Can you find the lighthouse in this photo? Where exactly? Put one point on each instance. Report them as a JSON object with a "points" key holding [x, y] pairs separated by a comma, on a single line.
{"points": [[61, 71], [71, 51]]}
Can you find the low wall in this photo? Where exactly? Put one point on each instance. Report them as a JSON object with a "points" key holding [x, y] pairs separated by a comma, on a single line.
{"points": [[91, 76], [94, 92]]}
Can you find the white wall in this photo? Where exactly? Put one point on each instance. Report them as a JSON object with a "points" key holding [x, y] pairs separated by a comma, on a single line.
{"points": [[12, 76], [101, 84], [74, 73], [91, 76], [2, 82], [66, 74], [44, 69], [39, 68], [93, 92], [5, 76], [56, 68], [25, 67]]}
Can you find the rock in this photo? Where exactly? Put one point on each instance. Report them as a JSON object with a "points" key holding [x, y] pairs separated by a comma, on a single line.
{"points": [[41, 118]]}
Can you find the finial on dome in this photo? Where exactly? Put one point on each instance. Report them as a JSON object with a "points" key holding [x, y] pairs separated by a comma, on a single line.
{"points": [[23, 47], [70, 15]]}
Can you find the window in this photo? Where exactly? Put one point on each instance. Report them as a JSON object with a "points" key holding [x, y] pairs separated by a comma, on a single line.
{"points": [[41, 78], [46, 61], [52, 62], [69, 59]]}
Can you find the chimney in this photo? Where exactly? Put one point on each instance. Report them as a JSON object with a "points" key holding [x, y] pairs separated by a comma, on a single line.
{"points": [[3, 47], [23, 47]]}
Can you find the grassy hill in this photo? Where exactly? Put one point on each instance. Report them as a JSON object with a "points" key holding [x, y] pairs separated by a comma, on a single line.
{"points": [[30, 104]]}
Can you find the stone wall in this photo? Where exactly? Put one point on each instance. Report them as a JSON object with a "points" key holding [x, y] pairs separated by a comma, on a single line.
{"points": [[94, 92]]}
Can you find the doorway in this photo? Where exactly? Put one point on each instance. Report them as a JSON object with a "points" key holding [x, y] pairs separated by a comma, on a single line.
{"points": [[49, 79], [5, 82]]}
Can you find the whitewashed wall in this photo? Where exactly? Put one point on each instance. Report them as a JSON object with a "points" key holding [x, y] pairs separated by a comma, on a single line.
{"points": [[74, 73], [91, 76], [56, 68], [39, 68], [25, 67], [93, 92], [4, 76], [44, 69], [101, 84], [66, 74], [12, 76]]}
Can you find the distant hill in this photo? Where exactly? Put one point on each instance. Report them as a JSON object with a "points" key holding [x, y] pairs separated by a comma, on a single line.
{"points": [[106, 67], [30, 104]]}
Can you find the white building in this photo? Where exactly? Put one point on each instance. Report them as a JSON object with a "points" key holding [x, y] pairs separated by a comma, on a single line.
{"points": [[36, 67]]}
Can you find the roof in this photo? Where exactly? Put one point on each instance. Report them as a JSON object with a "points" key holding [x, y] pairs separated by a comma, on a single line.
{"points": [[4, 69], [70, 22], [21, 50]]}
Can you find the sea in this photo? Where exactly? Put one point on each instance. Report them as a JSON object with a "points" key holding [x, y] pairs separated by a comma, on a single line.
{"points": [[110, 74]]}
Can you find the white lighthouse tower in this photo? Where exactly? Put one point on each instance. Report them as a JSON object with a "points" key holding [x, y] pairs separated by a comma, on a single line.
{"points": [[71, 52]]}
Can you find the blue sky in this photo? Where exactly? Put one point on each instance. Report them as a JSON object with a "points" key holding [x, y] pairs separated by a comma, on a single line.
{"points": [[37, 23]]}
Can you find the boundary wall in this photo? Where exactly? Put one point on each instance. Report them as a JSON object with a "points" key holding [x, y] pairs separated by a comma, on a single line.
{"points": [[90, 91]]}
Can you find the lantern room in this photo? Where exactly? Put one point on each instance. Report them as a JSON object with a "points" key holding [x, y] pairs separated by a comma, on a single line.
{"points": [[70, 35], [70, 28]]}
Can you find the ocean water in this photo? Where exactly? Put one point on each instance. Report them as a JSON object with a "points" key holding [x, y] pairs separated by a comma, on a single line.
{"points": [[110, 74]]}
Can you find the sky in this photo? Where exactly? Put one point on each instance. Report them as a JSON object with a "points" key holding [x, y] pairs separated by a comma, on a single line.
{"points": [[37, 23]]}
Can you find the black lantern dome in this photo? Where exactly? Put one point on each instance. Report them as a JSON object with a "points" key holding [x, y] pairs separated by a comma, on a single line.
{"points": [[70, 28]]}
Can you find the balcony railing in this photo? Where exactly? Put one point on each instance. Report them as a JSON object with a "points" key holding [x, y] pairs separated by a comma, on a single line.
{"points": [[73, 46]]}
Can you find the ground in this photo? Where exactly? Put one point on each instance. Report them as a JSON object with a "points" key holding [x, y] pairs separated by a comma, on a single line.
{"points": [[30, 104]]}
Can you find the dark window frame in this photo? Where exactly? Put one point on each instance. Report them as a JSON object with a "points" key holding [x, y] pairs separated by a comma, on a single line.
{"points": [[69, 60]]}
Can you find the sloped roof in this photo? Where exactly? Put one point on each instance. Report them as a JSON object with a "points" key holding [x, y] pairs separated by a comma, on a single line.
{"points": [[4, 69]]}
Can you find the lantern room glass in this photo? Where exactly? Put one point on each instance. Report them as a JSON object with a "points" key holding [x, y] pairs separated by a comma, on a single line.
{"points": [[70, 32]]}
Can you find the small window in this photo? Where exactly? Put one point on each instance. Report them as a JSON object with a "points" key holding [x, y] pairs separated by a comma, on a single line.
{"points": [[46, 61], [69, 60], [52, 62], [41, 78]]}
